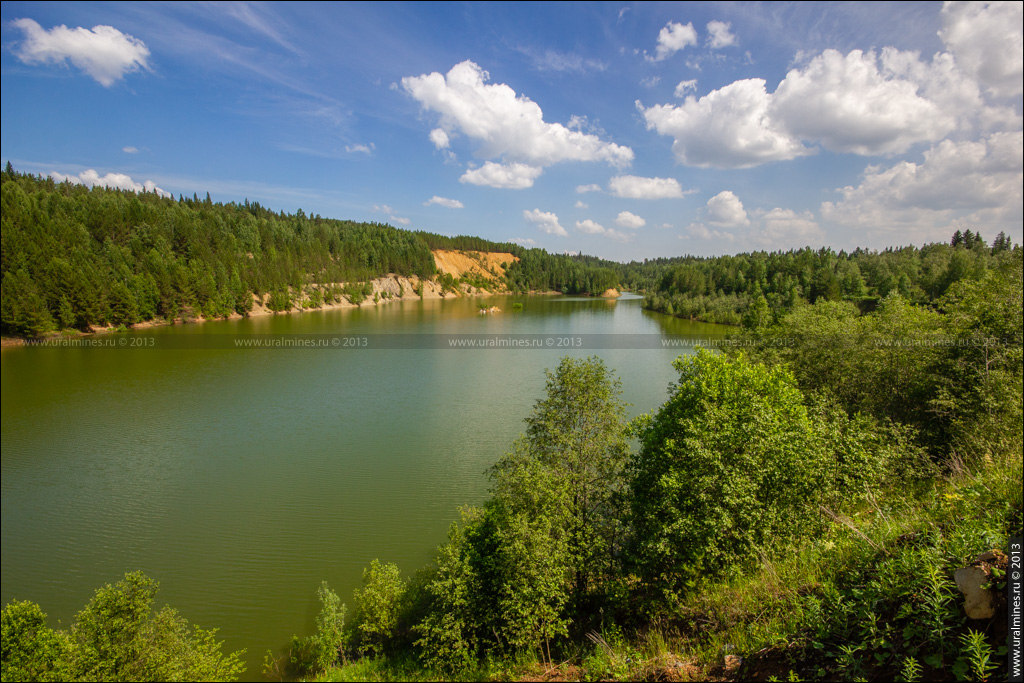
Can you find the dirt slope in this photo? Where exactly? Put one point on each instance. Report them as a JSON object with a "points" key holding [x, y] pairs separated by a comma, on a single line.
{"points": [[459, 263]]}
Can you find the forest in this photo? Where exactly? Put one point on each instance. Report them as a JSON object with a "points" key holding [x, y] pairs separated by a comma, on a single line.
{"points": [[797, 509], [74, 258]]}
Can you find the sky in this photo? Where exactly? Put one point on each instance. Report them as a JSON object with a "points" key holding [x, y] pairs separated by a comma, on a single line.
{"points": [[621, 130]]}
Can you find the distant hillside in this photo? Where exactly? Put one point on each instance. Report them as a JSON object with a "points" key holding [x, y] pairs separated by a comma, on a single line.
{"points": [[75, 257]]}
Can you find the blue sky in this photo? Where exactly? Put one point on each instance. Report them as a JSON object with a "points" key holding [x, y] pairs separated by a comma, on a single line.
{"points": [[623, 130]]}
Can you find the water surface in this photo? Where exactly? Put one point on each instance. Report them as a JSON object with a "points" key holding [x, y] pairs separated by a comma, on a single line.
{"points": [[240, 479]]}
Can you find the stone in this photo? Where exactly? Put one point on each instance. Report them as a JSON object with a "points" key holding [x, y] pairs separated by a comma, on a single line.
{"points": [[733, 662], [978, 601]]}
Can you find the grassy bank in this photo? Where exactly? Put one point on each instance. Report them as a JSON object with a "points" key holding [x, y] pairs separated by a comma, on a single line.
{"points": [[871, 599]]}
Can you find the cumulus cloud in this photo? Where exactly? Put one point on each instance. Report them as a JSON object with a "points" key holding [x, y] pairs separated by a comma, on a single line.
{"points": [[849, 105], [507, 126], [636, 187], [985, 38], [440, 138], [725, 210], [719, 35], [672, 38], [775, 229], [103, 52], [650, 81], [117, 181], [545, 222], [589, 227], [444, 201], [583, 189], [685, 87], [390, 213], [785, 228], [625, 219], [130, 150], [862, 102], [701, 231], [580, 204], [959, 183], [525, 241], [731, 127], [502, 176]]}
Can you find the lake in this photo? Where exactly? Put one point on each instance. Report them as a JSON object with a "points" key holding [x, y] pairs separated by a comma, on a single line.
{"points": [[242, 478]]}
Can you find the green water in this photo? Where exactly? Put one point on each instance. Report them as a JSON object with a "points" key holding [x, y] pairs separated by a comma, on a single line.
{"points": [[240, 479]]}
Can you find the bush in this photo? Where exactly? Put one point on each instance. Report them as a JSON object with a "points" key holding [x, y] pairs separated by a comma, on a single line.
{"points": [[115, 637], [378, 604], [729, 466], [323, 649]]}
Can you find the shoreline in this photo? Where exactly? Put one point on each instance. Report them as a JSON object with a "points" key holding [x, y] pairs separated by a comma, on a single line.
{"points": [[398, 287]]}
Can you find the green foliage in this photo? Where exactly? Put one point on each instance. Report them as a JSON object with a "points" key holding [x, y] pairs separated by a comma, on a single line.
{"points": [[567, 475], [730, 466], [31, 650], [324, 648], [377, 607], [115, 637], [449, 640]]}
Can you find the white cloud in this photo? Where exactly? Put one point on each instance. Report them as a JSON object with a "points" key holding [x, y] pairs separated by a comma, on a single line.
{"points": [[725, 210], [976, 184], [118, 181], [443, 201], [635, 187], [673, 38], [863, 103], [719, 35], [103, 52], [525, 241], [650, 81], [360, 148], [583, 189], [685, 87], [785, 228], [545, 222], [848, 105], [589, 227], [502, 176], [701, 231], [440, 138], [625, 219], [731, 127], [580, 204], [130, 150], [985, 38], [507, 126], [390, 213], [774, 229]]}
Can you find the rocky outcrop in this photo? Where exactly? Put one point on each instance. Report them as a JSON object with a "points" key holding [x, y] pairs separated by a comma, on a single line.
{"points": [[975, 583]]}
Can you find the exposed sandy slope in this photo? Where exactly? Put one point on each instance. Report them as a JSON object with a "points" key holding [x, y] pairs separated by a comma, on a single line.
{"points": [[486, 263]]}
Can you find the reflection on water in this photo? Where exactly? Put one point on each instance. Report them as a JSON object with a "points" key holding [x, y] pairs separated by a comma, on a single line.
{"points": [[240, 479]]}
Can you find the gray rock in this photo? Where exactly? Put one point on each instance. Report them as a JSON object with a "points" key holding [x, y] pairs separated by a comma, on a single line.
{"points": [[978, 602]]}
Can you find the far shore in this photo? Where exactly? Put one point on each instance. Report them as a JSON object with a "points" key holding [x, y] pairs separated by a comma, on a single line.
{"points": [[397, 287]]}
